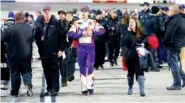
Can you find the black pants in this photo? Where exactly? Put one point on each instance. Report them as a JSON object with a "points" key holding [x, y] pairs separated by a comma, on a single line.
{"points": [[133, 65], [71, 61], [5, 74], [63, 65], [17, 69], [114, 47], [51, 71], [100, 53]]}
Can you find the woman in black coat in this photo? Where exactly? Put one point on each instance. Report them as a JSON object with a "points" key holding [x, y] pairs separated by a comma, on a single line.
{"points": [[131, 39]]}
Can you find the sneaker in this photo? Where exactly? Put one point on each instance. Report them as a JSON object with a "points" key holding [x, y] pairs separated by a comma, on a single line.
{"points": [[71, 78], [111, 64], [85, 93], [4, 87], [173, 88], [115, 62], [101, 66], [54, 93], [91, 91], [159, 66], [29, 90], [183, 85], [142, 94], [97, 68], [64, 83]]}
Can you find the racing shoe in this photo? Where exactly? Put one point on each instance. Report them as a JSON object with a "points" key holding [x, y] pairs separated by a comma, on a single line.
{"points": [[91, 91], [85, 93]]}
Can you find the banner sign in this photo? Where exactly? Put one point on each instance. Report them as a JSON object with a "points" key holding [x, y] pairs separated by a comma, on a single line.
{"points": [[109, 1]]}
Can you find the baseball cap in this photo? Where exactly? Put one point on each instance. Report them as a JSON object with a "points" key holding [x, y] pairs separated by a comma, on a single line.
{"points": [[98, 12], [26, 14], [61, 12], [85, 8], [181, 7], [145, 3], [165, 8], [46, 8], [154, 9]]}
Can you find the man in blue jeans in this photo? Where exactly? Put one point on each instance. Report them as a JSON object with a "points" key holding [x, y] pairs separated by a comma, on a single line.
{"points": [[177, 72], [19, 38], [174, 41]]}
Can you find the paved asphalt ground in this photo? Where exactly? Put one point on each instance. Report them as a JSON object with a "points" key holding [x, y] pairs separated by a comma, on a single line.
{"points": [[110, 86]]}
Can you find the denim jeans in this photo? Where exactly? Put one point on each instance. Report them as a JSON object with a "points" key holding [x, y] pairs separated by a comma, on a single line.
{"points": [[18, 69], [177, 72]]}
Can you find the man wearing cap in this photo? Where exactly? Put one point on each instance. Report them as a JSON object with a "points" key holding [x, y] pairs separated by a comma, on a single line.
{"points": [[51, 48], [143, 15], [151, 30], [100, 42], [62, 15], [5, 75], [63, 63], [182, 10], [84, 31], [71, 56], [113, 37], [162, 21]]}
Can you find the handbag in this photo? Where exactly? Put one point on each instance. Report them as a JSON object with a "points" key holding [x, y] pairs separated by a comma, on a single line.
{"points": [[124, 65]]}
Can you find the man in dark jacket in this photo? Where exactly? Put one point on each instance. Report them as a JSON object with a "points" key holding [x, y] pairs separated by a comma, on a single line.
{"points": [[113, 38], [143, 15], [100, 49], [182, 10], [71, 56], [174, 40], [51, 48], [151, 28], [19, 53], [5, 75], [63, 62], [161, 51], [67, 65]]}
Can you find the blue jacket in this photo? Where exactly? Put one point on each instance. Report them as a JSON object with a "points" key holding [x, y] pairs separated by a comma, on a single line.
{"points": [[143, 15], [150, 25]]}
